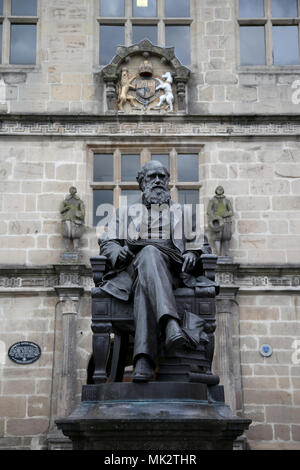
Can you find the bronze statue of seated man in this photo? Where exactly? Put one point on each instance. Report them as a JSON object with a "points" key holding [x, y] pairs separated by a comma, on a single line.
{"points": [[147, 264]]}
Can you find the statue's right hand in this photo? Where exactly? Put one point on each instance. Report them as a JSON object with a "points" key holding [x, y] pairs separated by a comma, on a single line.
{"points": [[125, 254]]}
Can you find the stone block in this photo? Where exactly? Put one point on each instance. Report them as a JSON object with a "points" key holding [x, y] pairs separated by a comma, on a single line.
{"points": [[30, 187], [253, 328], [215, 28], [271, 369], [220, 77], [276, 300], [38, 406], [13, 202], [18, 242], [256, 171], [49, 202], [256, 415], [49, 171], [228, 156], [259, 313], [65, 92], [43, 387], [66, 172], [5, 169], [285, 329], [252, 242], [258, 383], [13, 256], [27, 427], [283, 414], [40, 257], [30, 203], [3, 228], [260, 432], [252, 203], [294, 227], [296, 433], [251, 226], [12, 407], [241, 94], [29, 171], [283, 242], [296, 186], [18, 387], [278, 226], [267, 397], [263, 187], [51, 226]]}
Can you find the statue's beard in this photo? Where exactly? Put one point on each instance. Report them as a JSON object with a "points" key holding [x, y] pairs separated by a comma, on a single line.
{"points": [[154, 195]]}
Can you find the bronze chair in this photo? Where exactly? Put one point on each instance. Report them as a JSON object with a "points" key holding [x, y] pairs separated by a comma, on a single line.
{"points": [[110, 315]]}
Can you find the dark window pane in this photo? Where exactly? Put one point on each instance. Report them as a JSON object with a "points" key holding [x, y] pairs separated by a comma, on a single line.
{"points": [[1, 7], [285, 45], [0, 42], [177, 8], [101, 196], [140, 32], [284, 8], [112, 8], [252, 45], [189, 196], [144, 8], [134, 196], [179, 37], [162, 158], [251, 8], [23, 44], [24, 7], [111, 36], [188, 167], [103, 167], [130, 167]]}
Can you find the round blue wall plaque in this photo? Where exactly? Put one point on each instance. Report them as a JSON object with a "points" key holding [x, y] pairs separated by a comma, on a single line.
{"points": [[24, 352]]}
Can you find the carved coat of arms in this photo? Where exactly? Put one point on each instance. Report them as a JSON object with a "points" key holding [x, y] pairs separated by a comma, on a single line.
{"points": [[146, 88]]}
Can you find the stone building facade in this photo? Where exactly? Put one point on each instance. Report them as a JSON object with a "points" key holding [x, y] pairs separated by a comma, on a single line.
{"points": [[242, 121]]}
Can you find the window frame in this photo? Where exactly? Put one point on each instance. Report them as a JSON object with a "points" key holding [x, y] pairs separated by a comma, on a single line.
{"points": [[145, 150], [129, 20], [7, 19], [268, 22]]}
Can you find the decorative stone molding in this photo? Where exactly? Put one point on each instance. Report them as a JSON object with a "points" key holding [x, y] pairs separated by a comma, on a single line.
{"points": [[149, 125], [145, 49], [252, 278]]}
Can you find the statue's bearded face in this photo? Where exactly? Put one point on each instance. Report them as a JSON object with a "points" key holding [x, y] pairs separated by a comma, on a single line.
{"points": [[155, 187]]}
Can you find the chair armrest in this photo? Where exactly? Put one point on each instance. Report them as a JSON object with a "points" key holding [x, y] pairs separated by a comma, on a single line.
{"points": [[98, 264], [209, 264]]}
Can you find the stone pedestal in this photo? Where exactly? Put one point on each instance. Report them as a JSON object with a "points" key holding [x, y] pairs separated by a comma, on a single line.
{"points": [[165, 416]]}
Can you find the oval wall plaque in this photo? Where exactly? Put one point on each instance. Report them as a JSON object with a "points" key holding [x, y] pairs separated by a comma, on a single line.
{"points": [[24, 352]]}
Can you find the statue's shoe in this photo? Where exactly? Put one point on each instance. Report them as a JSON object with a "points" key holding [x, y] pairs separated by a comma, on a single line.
{"points": [[143, 371], [175, 338]]}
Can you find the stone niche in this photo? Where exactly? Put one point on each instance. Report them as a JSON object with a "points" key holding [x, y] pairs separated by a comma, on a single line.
{"points": [[145, 63]]}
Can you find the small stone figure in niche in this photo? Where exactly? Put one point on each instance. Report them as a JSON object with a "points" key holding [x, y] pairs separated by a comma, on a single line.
{"points": [[73, 212], [220, 214], [124, 87], [166, 86], [148, 266]]}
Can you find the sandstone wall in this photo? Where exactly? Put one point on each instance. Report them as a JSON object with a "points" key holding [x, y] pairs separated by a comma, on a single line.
{"points": [[65, 78]]}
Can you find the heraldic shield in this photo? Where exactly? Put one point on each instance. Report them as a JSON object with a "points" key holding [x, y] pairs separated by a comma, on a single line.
{"points": [[146, 90]]}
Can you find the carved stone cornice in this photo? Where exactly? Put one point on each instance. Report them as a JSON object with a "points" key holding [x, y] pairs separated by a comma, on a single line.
{"points": [[246, 278], [108, 127]]}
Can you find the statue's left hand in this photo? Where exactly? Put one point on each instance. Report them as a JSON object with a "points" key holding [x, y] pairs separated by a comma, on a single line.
{"points": [[189, 261]]}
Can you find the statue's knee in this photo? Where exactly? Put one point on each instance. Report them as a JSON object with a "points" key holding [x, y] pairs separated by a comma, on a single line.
{"points": [[150, 254]]}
